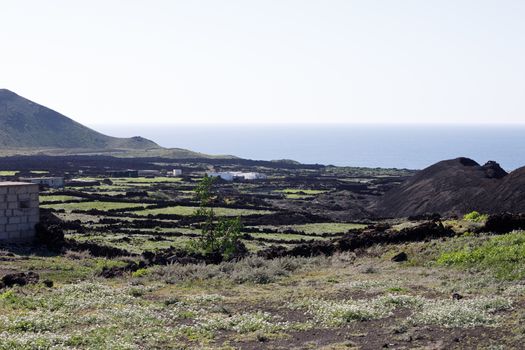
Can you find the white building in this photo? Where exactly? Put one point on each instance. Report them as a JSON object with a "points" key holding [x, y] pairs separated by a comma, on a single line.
{"points": [[51, 182], [253, 176], [226, 176], [177, 172]]}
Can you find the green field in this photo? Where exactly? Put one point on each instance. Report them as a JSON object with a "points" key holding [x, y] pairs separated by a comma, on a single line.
{"points": [[94, 205], [180, 210], [57, 198], [8, 173], [159, 179]]}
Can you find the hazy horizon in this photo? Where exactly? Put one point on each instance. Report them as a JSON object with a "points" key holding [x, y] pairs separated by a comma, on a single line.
{"points": [[396, 146]]}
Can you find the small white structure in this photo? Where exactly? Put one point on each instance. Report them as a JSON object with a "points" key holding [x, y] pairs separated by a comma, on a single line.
{"points": [[253, 176], [237, 175], [226, 176], [177, 172], [19, 210], [52, 182]]}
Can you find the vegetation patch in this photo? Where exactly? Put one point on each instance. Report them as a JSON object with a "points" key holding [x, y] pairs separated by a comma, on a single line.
{"points": [[503, 255], [475, 216], [188, 211], [93, 205]]}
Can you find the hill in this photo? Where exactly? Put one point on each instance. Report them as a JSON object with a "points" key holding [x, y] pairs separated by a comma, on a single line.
{"points": [[509, 196], [26, 124], [456, 186]]}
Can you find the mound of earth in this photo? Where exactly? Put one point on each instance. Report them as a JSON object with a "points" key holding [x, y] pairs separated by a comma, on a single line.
{"points": [[456, 186]]}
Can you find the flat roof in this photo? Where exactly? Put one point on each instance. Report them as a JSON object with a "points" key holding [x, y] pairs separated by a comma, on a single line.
{"points": [[14, 183]]}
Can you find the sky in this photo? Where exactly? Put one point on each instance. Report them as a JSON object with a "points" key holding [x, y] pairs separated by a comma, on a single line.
{"points": [[268, 61]]}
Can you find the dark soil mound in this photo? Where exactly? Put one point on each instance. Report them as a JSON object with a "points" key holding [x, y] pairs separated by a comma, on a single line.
{"points": [[19, 279], [456, 186], [503, 223]]}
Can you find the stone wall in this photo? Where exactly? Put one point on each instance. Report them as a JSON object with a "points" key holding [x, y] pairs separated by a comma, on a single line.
{"points": [[19, 210]]}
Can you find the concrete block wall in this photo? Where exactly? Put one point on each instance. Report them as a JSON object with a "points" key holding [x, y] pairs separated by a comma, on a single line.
{"points": [[19, 211]]}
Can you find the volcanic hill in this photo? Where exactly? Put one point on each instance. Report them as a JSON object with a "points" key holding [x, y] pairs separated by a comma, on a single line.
{"points": [[456, 186]]}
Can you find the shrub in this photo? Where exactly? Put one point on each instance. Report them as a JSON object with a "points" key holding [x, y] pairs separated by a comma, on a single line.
{"points": [[139, 273], [475, 216], [219, 235]]}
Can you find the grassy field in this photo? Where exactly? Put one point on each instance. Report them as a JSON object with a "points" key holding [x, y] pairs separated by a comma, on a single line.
{"points": [[94, 205], [344, 301], [159, 179], [57, 198], [180, 210]]}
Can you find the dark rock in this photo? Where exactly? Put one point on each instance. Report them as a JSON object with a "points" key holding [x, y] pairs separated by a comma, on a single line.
{"points": [[457, 296], [50, 230], [493, 170], [400, 257], [505, 222], [48, 283], [20, 279]]}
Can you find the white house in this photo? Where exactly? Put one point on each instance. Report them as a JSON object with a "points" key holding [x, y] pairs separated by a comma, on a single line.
{"points": [[177, 172], [226, 176]]}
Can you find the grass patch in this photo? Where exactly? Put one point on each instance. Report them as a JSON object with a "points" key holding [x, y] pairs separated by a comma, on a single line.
{"points": [[57, 198], [475, 216], [94, 205], [186, 211], [8, 173], [160, 179], [503, 255]]}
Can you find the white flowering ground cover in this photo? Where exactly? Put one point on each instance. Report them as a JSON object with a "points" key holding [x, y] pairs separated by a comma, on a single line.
{"points": [[347, 301]]}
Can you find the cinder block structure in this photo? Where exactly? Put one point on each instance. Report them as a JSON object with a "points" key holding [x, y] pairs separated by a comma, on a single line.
{"points": [[19, 211]]}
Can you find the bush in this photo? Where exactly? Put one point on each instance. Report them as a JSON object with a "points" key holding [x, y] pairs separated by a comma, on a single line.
{"points": [[249, 270], [219, 235], [475, 216]]}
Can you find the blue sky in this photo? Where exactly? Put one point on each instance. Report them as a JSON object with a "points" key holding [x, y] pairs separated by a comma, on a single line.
{"points": [[268, 61]]}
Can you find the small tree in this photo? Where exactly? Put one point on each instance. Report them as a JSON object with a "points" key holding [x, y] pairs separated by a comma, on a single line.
{"points": [[219, 235]]}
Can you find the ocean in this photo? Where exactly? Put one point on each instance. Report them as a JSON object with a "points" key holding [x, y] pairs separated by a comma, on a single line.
{"points": [[387, 146]]}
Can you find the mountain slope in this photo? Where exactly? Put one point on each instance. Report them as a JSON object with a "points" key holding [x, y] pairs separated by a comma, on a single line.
{"points": [[26, 124], [509, 196]]}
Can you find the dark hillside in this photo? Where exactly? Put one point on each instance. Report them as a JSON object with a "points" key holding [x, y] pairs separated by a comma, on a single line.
{"points": [[510, 194], [449, 187]]}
